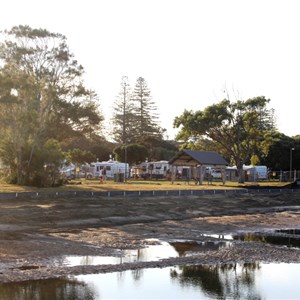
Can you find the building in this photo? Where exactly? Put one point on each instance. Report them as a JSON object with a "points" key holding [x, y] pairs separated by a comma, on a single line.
{"points": [[199, 162]]}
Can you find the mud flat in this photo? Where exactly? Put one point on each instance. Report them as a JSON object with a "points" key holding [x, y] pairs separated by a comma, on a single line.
{"points": [[35, 234]]}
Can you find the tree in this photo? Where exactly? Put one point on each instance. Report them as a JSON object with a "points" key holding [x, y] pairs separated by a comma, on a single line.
{"points": [[237, 127], [278, 157], [135, 153], [145, 112], [123, 118], [136, 122], [81, 157], [42, 97]]}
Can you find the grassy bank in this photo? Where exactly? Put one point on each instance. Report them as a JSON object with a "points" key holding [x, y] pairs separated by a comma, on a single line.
{"points": [[134, 185]]}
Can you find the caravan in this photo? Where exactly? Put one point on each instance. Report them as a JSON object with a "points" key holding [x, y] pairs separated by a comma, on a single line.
{"points": [[251, 173], [151, 170], [113, 169]]}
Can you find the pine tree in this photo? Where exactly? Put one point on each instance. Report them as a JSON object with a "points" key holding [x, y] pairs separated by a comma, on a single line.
{"points": [[145, 112], [123, 114]]}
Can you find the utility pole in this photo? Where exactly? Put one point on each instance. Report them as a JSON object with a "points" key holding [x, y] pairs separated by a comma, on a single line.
{"points": [[291, 162]]}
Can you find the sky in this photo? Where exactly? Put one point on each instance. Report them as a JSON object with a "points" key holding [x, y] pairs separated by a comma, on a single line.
{"points": [[192, 53]]}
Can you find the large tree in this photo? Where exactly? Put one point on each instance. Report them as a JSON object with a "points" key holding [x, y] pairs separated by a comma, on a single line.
{"points": [[145, 112], [135, 119], [42, 97], [123, 118], [238, 127]]}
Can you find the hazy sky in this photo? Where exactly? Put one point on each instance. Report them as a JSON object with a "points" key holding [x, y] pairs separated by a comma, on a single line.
{"points": [[188, 51]]}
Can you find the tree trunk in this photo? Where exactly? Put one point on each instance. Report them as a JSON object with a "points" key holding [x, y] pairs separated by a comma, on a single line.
{"points": [[241, 173]]}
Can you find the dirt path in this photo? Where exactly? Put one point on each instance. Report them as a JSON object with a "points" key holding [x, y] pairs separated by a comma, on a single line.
{"points": [[35, 231]]}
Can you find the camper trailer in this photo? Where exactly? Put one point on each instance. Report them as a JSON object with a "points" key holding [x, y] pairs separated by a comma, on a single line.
{"points": [[251, 173], [113, 169], [151, 170]]}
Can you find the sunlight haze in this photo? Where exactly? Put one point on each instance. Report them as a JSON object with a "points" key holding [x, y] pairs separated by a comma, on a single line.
{"points": [[191, 53]]}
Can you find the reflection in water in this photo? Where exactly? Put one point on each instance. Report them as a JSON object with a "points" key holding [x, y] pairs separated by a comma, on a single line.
{"points": [[288, 238], [219, 282], [231, 281], [189, 248], [149, 253], [50, 289]]}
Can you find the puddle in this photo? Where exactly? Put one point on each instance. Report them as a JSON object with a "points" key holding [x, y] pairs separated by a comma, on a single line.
{"points": [[149, 253], [220, 236], [162, 250]]}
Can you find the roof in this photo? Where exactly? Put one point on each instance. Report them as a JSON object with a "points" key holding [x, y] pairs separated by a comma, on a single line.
{"points": [[192, 158]]}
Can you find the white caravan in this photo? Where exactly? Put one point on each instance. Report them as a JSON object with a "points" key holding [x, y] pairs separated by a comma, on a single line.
{"points": [[151, 170], [113, 168], [251, 173]]}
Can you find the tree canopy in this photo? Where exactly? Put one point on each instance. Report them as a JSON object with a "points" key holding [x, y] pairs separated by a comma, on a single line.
{"points": [[42, 97]]}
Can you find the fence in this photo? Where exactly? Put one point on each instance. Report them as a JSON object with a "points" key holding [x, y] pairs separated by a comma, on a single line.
{"points": [[148, 193], [284, 176]]}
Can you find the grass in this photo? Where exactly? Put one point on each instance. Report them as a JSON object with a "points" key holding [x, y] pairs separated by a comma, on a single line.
{"points": [[134, 185]]}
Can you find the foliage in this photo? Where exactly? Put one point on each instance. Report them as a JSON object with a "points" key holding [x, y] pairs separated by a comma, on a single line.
{"points": [[279, 155], [80, 157], [135, 125], [145, 112], [123, 117], [42, 97], [132, 153], [159, 149]]}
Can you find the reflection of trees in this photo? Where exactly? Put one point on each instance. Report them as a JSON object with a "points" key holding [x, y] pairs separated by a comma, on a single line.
{"points": [[207, 277], [289, 239], [51, 289], [250, 237], [137, 274], [236, 281], [186, 247], [87, 260]]}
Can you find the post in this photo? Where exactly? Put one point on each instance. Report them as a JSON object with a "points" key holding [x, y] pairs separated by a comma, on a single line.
{"points": [[291, 162], [125, 175]]}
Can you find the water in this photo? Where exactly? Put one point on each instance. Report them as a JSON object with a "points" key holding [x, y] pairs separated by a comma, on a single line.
{"points": [[286, 238], [247, 281], [150, 253], [251, 281], [232, 281]]}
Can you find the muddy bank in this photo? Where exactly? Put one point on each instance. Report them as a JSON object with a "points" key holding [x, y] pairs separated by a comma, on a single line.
{"points": [[35, 233]]}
